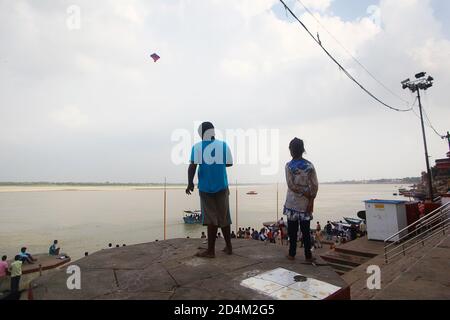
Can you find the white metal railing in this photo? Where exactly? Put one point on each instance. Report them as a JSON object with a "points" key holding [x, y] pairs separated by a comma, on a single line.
{"points": [[428, 227]]}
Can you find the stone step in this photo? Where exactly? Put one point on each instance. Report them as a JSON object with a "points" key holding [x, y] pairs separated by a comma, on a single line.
{"points": [[356, 253], [340, 268]]}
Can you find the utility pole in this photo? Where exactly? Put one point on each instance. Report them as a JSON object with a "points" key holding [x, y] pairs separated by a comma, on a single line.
{"points": [[427, 157], [422, 83], [165, 208], [448, 139], [236, 213]]}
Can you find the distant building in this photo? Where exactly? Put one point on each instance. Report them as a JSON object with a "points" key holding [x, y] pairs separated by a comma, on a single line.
{"points": [[441, 175]]}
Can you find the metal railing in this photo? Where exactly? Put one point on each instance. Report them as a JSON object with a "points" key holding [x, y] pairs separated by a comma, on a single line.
{"points": [[428, 227]]}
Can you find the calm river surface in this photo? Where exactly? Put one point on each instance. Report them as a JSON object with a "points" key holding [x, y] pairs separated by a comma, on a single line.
{"points": [[88, 219]]}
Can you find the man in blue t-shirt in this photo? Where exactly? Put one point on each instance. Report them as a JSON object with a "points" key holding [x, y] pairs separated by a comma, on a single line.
{"points": [[212, 156]]}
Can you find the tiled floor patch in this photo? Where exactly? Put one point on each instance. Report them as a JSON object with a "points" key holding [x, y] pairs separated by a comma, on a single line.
{"points": [[283, 284]]}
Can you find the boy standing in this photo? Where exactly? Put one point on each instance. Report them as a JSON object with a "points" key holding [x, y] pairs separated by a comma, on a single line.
{"points": [[16, 272], [3, 270], [303, 186]]}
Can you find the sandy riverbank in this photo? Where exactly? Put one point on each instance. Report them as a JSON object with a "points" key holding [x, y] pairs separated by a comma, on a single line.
{"points": [[38, 188]]}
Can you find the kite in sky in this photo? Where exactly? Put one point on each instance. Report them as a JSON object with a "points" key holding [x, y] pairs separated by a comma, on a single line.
{"points": [[155, 57]]}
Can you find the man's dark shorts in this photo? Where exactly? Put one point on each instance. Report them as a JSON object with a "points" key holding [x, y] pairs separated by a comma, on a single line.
{"points": [[216, 208]]}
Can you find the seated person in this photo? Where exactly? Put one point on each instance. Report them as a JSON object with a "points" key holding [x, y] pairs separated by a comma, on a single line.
{"points": [[26, 257], [54, 250]]}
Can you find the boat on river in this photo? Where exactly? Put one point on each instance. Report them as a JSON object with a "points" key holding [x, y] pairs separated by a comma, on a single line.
{"points": [[355, 221], [44, 264], [193, 217]]}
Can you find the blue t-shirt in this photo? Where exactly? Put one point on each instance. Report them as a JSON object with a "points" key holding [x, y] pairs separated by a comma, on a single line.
{"points": [[212, 158]]}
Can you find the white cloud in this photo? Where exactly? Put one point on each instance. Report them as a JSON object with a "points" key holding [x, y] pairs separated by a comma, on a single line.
{"points": [[232, 62], [70, 117], [317, 5]]}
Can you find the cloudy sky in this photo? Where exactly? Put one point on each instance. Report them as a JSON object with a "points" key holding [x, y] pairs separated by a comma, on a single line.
{"points": [[88, 104]]}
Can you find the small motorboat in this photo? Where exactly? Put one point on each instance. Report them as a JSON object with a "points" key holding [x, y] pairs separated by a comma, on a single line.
{"points": [[270, 224], [341, 225], [193, 217], [252, 193], [355, 221]]}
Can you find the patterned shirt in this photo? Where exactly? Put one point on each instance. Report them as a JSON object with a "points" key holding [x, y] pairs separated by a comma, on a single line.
{"points": [[301, 178]]}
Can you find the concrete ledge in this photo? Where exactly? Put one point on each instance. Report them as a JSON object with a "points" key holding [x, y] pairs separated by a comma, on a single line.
{"points": [[169, 270]]}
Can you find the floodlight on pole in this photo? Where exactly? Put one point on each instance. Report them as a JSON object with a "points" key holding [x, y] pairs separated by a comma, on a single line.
{"points": [[422, 83]]}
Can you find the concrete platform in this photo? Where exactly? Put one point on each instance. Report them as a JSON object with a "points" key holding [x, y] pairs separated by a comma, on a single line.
{"points": [[168, 270]]}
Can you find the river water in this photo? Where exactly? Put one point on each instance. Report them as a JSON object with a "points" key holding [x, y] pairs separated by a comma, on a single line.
{"points": [[88, 219]]}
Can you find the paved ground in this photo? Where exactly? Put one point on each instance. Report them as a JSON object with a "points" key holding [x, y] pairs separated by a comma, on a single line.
{"points": [[426, 278], [169, 270]]}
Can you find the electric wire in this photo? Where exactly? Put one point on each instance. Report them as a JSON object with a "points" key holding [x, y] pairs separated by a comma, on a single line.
{"points": [[351, 55], [340, 66]]}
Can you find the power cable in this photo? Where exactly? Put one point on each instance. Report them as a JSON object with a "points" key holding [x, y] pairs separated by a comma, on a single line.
{"points": [[351, 55], [340, 66]]}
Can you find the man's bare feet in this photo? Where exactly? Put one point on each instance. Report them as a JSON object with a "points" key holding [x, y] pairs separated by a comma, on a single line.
{"points": [[206, 254], [228, 251]]}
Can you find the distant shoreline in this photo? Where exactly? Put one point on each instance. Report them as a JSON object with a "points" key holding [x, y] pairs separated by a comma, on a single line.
{"points": [[150, 185], [41, 188], [59, 187]]}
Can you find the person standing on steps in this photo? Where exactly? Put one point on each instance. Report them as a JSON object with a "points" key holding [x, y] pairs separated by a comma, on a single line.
{"points": [[212, 156], [301, 179], [329, 231]]}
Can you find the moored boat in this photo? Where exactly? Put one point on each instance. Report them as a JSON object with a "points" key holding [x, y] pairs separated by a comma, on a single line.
{"points": [[355, 221], [193, 217], [43, 265]]}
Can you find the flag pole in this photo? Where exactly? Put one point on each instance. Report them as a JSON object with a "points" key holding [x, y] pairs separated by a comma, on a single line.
{"points": [[277, 201], [236, 213], [165, 208]]}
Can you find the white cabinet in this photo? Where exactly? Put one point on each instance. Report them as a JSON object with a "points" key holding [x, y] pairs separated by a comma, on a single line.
{"points": [[385, 218]]}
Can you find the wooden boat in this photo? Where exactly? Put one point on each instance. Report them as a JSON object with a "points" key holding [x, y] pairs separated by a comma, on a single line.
{"points": [[193, 217], [43, 265], [355, 221], [269, 224]]}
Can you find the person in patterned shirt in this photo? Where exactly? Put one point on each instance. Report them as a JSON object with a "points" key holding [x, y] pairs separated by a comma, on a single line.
{"points": [[301, 179]]}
